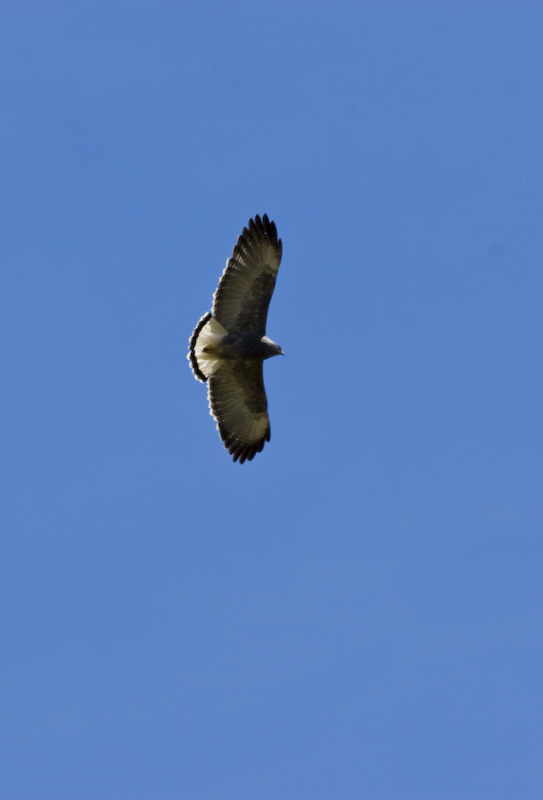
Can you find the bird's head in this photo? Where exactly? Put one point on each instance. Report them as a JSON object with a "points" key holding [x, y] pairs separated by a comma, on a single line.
{"points": [[272, 348]]}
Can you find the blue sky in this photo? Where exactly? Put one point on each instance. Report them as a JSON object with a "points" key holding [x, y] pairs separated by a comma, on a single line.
{"points": [[357, 612]]}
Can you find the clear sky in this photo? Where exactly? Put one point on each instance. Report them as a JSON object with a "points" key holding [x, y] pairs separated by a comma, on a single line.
{"points": [[357, 614]]}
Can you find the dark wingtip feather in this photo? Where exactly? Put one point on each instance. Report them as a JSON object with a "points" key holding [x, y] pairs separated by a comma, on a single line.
{"points": [[246, 452], [263, 226]]}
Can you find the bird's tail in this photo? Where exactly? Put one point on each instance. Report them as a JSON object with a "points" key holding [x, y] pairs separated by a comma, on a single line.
{"points": [[207, 334]]}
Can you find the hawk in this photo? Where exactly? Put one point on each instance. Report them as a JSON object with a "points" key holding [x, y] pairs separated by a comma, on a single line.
{"points": [[228, 346]]}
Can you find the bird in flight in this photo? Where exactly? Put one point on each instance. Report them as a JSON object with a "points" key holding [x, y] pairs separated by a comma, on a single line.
{"points": [[228, 346]]}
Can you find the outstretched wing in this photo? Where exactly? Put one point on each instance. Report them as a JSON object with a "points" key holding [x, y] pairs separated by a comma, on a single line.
{"points": [[247, 283], [237, 400]]}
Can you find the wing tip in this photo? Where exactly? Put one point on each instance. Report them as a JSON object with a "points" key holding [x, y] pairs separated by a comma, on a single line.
{"points": [[239, 451], [243, 453], [246, 452], [262, 227]]}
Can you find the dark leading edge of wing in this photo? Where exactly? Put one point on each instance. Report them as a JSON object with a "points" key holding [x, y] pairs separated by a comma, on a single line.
{"points": [[245, 289]]}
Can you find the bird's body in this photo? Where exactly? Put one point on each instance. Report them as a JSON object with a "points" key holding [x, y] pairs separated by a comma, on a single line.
{"points": [[244, 345], [227, 347]]}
